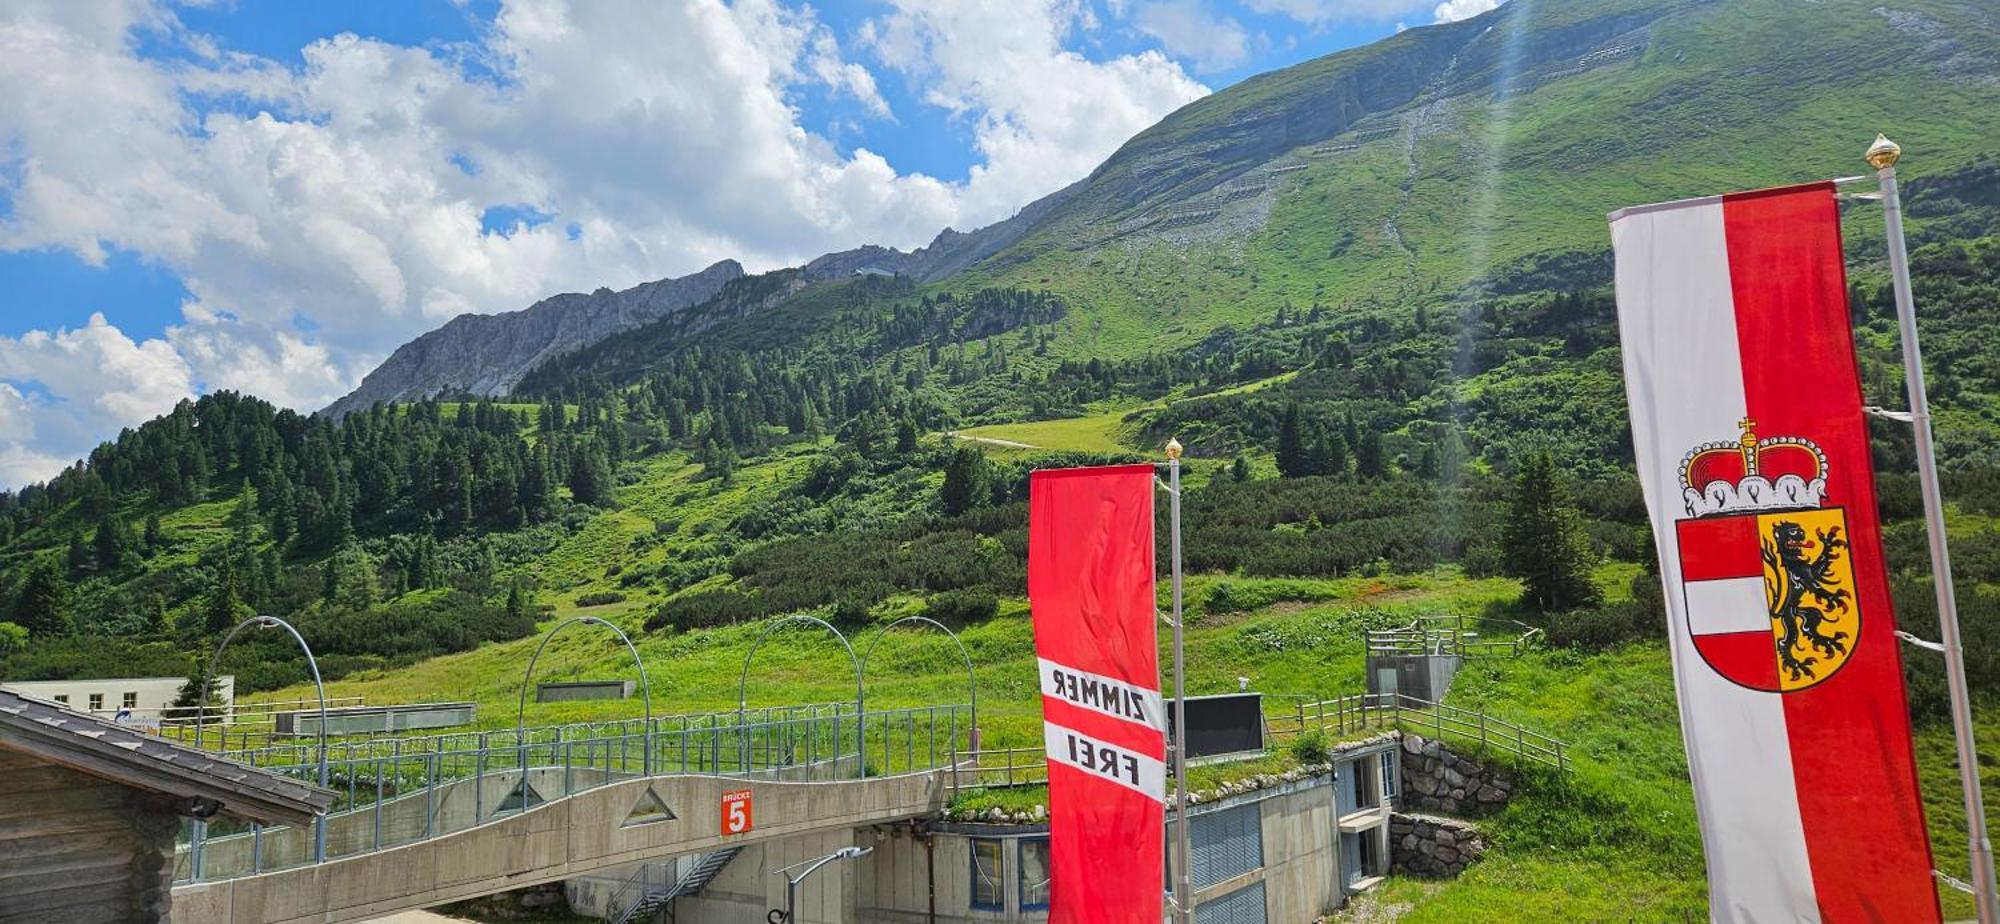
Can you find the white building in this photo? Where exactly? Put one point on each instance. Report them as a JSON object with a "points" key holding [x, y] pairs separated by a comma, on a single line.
{"points": [[143, 697]]}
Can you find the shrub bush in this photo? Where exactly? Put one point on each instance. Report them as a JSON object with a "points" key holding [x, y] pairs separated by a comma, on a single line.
{"points": [[962, 606], [1310, 748], [1592, 629], [601, 598]]}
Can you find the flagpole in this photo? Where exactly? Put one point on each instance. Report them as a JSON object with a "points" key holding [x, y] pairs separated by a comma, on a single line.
{"points": [[1882, 155], [1183, 866]]}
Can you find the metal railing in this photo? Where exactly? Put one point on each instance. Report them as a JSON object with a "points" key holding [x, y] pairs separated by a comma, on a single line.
{"points": [[1000, 768], [391, 792], [648, 879], [1448, 635], [1411, 715]]}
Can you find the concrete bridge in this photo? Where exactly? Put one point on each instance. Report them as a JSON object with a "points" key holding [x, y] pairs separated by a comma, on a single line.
{"points": [[425, 821], [589, 832]]}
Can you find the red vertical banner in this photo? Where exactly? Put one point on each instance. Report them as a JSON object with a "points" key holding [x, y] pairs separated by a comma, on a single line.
{"points": [[1090, 585]]}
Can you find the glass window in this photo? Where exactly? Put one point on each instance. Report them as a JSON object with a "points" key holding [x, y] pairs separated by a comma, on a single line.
{"points": [[1371, 853], [988, 893], [62, 698], [1389, 785], [1034, 873], [129, 700], [1367, 794], [96, 702]]}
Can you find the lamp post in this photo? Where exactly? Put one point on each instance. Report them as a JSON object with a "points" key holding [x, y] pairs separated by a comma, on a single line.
{"points": [[645, 690], [201, 710], [1883, 155], [786, 915]]}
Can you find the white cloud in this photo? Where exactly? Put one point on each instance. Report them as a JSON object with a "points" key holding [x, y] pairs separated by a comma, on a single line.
{"points": [[1455, 10], [90, 381], [1322, 12], [1186, 29], [320, 215], [1042, 115]]}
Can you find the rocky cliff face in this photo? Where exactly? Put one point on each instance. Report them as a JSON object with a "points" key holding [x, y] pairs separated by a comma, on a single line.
{"points": [[487, 354]]}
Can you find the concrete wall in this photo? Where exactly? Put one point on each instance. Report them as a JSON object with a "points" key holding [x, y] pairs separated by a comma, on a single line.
{"points": [[750, 886], [76, 849], [557, 691], [454, 806], [579, 835], [1301, 873], [1422, 676]]}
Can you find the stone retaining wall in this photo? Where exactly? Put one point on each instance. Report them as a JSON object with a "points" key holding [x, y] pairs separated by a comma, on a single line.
{"points": [[1436, 779], [1432, 847]]}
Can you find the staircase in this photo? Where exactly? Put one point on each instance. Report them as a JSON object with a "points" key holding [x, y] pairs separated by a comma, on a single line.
{"points": [[653, 896]]}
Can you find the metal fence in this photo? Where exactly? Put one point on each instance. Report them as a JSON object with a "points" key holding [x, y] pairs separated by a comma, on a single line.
{"points": [[999, 768], [1422, 717], [398, 791], [1449, 635]]}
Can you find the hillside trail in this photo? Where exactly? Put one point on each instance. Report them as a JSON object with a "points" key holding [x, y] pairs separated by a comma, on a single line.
{"points": [[989, 440]]}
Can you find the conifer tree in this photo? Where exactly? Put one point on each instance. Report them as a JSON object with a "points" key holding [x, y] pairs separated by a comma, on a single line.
{"points": [[1292, 460], [1368, 462], [78, 558], [43, 607], [1544, 540], [964, 481], [155, 538], [111, 545]]}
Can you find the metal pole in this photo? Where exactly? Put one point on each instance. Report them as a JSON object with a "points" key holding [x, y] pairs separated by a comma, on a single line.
{"points": [[215, 660], [645, 690], [1883, 156], [860, 695], [1183, 878]]}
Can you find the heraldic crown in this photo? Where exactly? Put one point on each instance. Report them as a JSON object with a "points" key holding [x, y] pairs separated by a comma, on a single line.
{"points": [[1751, 474]]}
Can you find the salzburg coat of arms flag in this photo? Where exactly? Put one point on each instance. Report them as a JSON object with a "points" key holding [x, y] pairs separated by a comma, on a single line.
{"points": [[1753, 454]]}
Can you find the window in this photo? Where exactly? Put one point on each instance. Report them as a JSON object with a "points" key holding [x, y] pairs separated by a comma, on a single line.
{"points": [[1225, 844], [1363, 782], [988, 891], [1371, 853], [1389, 785], [97, 702], [1243, 906], [62, 698], [1034, 873], [1361, 856], [129, 700]]}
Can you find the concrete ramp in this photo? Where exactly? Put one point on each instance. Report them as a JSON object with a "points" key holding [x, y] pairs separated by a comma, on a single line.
{"points": [[586, 832]]}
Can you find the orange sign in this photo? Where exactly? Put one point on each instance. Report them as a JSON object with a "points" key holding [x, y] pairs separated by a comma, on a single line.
{"points": [[736, 811]]}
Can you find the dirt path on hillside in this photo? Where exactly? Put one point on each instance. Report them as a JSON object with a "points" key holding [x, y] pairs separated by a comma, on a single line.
{"points": [[988, 440]]}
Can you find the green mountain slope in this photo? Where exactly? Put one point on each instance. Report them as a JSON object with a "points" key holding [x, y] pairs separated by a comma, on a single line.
{"points": [[1361, 290], [1407, 169]]}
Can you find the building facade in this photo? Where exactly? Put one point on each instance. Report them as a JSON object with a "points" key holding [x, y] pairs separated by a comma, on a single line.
{"points": [[140, 700], [89, 810], [1284, 854]]}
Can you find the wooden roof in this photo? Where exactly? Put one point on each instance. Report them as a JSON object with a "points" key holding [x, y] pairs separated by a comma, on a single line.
{"points": [[132, 757]]}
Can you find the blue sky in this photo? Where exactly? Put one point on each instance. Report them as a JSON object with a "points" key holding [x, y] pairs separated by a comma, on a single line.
{"points": [[270, 196]]}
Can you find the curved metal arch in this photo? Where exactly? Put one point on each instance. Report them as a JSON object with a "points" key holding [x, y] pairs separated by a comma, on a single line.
{"points": [[645, 685], [971, 679], [860, 700], [319, 687]]}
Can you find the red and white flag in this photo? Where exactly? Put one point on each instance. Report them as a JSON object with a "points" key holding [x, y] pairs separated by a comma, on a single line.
{"points": [[1090, 585], [1753, 453]]}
